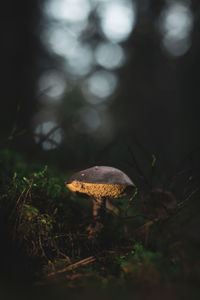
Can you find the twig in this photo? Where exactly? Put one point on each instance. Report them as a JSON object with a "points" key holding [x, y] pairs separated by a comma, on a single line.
{"points": [[188, 198], [137, 167], [41, 247], [46, 137], [18, 201], [82, 262]]}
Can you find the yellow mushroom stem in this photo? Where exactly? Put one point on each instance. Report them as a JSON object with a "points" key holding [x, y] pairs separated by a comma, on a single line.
{"points": [[99, 207]]}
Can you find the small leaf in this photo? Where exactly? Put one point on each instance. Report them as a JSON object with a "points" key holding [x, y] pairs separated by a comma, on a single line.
{"points": [[153, 160], [55, 211], [135, 192], [26, 179]]}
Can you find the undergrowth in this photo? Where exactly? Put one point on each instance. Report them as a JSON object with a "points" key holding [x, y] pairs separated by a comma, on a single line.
{"points": [[40, 216]]}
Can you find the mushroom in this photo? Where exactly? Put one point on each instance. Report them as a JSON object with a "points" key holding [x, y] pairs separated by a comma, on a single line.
{"points": [[100, 183]]}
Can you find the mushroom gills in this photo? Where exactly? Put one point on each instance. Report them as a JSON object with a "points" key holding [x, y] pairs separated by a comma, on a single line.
{"points": [[98, 190]]}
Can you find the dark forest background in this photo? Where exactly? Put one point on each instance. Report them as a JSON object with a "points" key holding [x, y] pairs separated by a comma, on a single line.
{"points": [[155, 103]]}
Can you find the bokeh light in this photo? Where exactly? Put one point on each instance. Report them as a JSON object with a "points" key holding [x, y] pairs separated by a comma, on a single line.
{"points": [[102, 84], [117, 19], [77, 57], [109, 55], [68, 10], [88, 64], [59, 40], [176, 23], [80, 61], [48, 134], [176, 47], [51, 86]]}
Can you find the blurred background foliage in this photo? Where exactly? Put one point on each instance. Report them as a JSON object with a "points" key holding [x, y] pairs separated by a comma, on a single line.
{"points": [[98, 82], [85, 81]]}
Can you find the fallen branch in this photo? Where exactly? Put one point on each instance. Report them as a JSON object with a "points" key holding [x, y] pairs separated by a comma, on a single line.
{"points": [[80, 263]]}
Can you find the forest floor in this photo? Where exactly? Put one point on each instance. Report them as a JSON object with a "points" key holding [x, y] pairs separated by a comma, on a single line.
{"points": [[142, 252]]}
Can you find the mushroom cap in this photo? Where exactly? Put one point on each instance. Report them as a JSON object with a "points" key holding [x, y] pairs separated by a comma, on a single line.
{"points": [[101, 181]]}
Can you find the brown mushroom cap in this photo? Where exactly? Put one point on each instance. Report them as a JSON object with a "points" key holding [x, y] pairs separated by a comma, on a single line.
{"points": [[101, 181]]}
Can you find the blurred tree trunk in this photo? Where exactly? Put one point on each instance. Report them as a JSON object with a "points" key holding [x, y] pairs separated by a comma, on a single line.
{"points": [[19, 53]]}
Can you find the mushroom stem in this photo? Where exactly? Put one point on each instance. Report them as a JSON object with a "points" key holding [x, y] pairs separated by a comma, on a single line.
{"points": [[99, 207]]}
